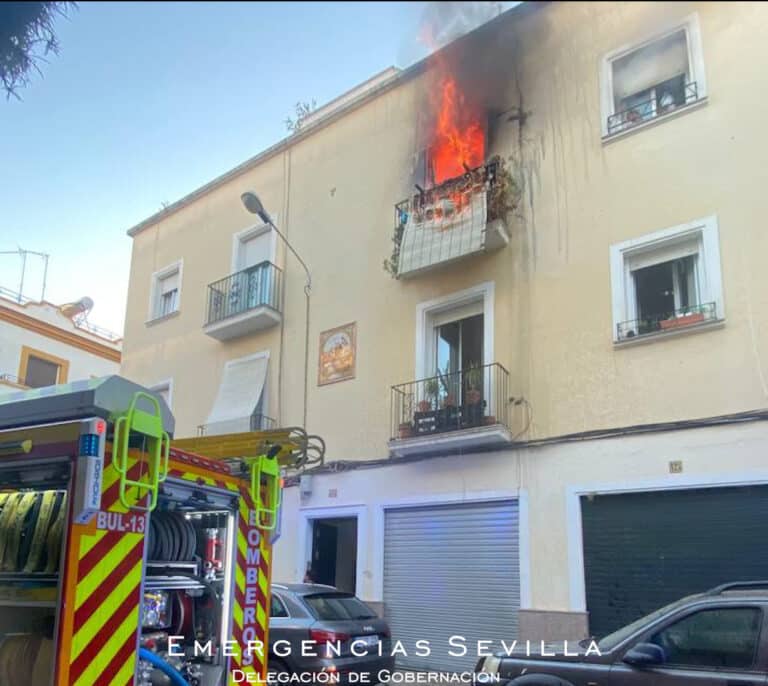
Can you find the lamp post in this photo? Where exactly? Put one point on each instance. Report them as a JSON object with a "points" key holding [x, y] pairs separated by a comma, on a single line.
{"points": [[252, 203]]}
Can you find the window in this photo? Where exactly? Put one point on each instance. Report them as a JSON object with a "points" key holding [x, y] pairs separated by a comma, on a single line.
{"points": [[652, 79], [458, 348], [455, 332], [166, 291], [38, 369], [667, 280], [277, 607], [252, 259], [724, 637], [338, 607]]}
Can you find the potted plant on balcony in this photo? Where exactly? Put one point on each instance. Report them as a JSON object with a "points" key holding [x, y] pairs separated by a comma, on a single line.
{"points": [[684, 317], [473, 377], [431, 389]]}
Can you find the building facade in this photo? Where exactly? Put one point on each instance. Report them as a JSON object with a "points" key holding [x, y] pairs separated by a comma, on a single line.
{"points": [[42, 344], [564, 387]]}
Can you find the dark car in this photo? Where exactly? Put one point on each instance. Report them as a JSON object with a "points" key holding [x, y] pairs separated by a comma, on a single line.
{"points": [[717, 638], [346, 635]]}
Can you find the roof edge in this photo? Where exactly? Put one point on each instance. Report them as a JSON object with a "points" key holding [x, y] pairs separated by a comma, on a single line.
{"points": [[401, 76]]}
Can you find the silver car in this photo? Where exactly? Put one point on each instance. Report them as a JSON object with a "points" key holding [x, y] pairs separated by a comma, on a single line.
{"points": [[315, 628]]}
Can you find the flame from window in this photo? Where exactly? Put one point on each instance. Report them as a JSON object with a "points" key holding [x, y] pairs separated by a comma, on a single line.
{"points": [[458, 138]]}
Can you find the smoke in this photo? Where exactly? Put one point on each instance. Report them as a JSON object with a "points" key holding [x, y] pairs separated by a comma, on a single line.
{"points": [[443, 22]]}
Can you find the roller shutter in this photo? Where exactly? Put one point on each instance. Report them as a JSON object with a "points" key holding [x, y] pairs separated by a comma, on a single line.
{"points": [[644, 550], [451, 570]]}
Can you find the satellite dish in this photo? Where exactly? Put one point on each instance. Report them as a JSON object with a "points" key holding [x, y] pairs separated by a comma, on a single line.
{"points": [[78, 308]]}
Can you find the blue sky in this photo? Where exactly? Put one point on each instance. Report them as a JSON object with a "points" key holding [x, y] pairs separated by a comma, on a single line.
{"points": [[148, 101]]}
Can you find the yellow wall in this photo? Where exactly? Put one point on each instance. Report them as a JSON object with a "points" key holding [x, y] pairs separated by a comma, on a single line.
{"points": [[334, 193]]}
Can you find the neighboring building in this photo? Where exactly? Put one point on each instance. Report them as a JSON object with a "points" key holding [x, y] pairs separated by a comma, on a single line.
{"points": [[595, 445], [42, 344]]}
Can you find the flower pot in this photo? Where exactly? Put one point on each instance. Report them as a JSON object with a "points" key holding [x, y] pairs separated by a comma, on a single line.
{"points": [[425, 405], [405, 430], [684, 320], [449, 401], [490, 420]]}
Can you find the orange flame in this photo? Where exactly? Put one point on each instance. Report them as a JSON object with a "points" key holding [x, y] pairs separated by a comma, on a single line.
{"points": [[458, 141]]}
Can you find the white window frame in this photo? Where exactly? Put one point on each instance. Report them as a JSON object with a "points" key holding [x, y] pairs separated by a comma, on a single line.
{"points": [[709, 276], [251, 232], [433, 312], [154, 291], [690, 25], [164, 385]]}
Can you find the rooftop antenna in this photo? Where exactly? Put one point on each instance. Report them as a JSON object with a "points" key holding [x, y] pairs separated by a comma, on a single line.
{"points": [[23, 254]]}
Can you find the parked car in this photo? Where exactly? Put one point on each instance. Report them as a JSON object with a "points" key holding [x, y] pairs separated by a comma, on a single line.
{"points": [[719, 637], [334, 621]]}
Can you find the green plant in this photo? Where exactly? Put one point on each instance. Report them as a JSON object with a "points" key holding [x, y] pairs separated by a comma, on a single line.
{"points": [[473, 375], [431, 388], [392, 262]]}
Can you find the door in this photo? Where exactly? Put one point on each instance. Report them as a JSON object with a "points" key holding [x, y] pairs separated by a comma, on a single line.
{"points": [[324, 551], [451, 570], [645, 550]]}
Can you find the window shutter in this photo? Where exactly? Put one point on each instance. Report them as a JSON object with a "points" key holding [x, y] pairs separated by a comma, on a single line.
{"points": [[169, 283], [662, 253], [650, 65], [255, 250]]}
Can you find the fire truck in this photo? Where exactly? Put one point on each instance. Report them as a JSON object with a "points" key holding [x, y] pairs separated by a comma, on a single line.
{"points": [[128, 558]]}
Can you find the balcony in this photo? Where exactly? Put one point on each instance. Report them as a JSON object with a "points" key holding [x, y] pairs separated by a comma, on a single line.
{"points": [[256, 422], [461, 217], [244, 302], [667, 322], [464, 410]]}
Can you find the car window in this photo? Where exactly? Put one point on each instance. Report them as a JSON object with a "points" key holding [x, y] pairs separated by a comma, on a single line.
{"points": [[722, 637], [609, 642], [337, 606], [277, 607]]}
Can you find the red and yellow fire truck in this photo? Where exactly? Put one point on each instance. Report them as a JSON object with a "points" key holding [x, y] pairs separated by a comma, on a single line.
{"points": [[128, 558]]}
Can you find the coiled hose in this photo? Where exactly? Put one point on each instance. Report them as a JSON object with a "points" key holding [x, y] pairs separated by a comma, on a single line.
{"points": [[163, 666]]}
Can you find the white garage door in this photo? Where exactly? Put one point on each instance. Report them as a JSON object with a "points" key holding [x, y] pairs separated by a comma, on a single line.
{"points": [[451, 570]]}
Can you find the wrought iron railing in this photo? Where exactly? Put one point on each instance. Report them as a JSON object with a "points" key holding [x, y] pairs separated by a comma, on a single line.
{"points": [[467, 399], [666, 321], [650, 109], [257, 286], [427, 205], [256, 422]]}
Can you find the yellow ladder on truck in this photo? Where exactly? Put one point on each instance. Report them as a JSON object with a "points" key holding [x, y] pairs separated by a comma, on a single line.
{"points": [[149, 427]]}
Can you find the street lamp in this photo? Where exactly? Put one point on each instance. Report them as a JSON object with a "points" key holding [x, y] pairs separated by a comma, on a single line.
{"points": [[253, 204]]}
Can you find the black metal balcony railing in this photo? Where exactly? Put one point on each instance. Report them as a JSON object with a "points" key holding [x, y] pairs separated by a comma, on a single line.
{"points": [[256, 422], [257, 286], [667, 321], [650, 109], [431, 204], [466, 399]]}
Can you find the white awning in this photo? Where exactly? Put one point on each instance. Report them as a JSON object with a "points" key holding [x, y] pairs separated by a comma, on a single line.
{"points": [[242, 383], [435, 240]]}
